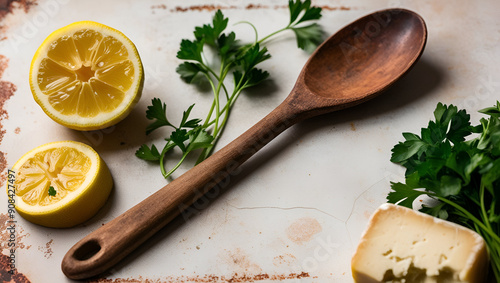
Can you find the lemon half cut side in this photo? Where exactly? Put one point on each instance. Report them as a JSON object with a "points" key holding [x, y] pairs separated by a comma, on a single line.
{"points": [[86, 76], [61, 184]]}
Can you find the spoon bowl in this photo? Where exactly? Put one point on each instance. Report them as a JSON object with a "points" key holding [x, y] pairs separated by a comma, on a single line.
{"points": [[352, 66], [364, 58]]}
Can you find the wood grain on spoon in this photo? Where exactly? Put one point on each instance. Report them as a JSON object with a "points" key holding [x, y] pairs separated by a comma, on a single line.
{"points": [[350, 67]]}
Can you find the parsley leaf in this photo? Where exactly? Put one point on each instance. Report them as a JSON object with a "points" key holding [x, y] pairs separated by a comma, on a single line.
{"points": [[296, 7], [191, 50], [403, 194], [438, 211], [309, 13], [449, 186], [146, 153], [405, 150], [254, 77], [308, 37], [211, 33], [253, 56], [199, 138], [179, 136], [185, 123], [52, 191], [459, 127], [190, 71], [157, 112], [492, 111], [227, 44]]}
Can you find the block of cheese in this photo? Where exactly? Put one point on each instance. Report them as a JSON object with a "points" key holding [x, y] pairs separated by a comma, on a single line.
{"points": [[404, 245]]}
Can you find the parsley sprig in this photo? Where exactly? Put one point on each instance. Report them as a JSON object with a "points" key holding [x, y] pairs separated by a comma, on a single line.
{"points": [[458, 165], [233, 59]]}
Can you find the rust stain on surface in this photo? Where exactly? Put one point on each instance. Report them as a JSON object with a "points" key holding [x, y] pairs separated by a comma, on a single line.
{"points": [[7, 90], [3, 166], [353, 127], [335, 8], [211, 8], [9, 275], [239, 261], [208, 278], [286, 259], [8, 6], [201, 8], [47, 249], [303, 229], [5, 234], [256, 6], [4, 62], [161, 6]]}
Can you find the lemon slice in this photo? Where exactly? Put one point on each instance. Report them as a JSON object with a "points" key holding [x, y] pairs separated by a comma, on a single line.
{"points": [[86, 76], [61, 184]]}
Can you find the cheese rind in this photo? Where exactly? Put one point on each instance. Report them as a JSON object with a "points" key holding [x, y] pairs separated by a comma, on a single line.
{"points": [[403, 245]]}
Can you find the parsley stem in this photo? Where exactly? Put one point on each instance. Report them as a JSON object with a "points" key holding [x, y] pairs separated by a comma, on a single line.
{"points": [[217, 107], [167, 147], [224, 73], [483, 209], [491, 238], [210, 112], [208, 150], [227, 107], [231, 100], [254, 28], [217, 98], [210, 71], [495, 237], [184, 155], [259, 41], [215, 104], [494, 251], [224, 70], [273, 34], [208, 121]]}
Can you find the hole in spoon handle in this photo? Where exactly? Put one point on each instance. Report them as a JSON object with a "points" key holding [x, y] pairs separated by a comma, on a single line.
{"points": [[82, 258], [87, 250]]}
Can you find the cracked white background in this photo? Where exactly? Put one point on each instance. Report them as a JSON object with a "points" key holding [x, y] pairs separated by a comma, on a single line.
{"points": [[327, 174]]}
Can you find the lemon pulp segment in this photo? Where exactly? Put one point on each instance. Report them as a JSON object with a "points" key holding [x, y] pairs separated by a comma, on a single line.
{"points": [[86, 76], [85, 73], [64, 169]]}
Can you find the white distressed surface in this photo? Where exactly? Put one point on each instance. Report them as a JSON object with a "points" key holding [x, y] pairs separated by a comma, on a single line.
{"points": [[328, 173]]}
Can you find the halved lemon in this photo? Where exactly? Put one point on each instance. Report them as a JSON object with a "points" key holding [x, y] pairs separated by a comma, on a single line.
{"points": [[61, 184], [86, 76]]}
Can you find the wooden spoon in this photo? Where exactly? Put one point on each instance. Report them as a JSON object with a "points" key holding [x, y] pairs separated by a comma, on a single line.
{"points": [[350, 67]]}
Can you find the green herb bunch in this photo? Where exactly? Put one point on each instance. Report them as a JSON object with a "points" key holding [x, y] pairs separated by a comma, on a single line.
{"points": [[235, 62], [458, 165]]}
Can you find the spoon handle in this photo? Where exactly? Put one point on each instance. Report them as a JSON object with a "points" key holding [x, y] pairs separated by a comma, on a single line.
{"points": [[106, 246]]}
